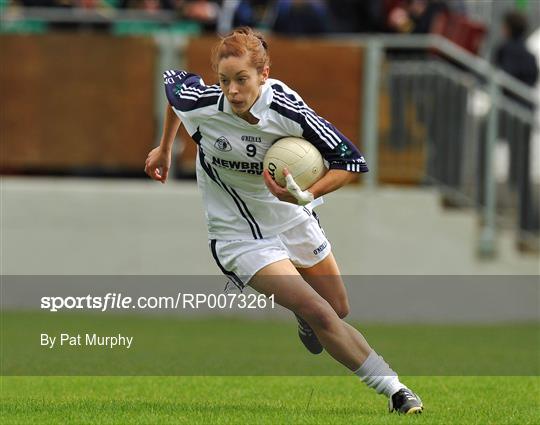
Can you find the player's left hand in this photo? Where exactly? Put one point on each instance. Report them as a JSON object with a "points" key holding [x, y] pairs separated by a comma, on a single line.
{"points": [[292, 193]]}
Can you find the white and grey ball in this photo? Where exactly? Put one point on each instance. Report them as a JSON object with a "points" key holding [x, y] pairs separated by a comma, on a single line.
{"points": [[300, 157]]}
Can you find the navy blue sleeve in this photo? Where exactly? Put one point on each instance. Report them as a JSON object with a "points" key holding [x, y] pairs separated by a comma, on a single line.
{"points": [[336, 149], [186, 92]]}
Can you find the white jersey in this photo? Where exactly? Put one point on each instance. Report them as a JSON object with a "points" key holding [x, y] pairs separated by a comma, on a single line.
{"points": [[230, 153]]}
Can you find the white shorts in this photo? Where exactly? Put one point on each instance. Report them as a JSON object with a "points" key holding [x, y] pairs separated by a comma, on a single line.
{"points": [[305, 245]]}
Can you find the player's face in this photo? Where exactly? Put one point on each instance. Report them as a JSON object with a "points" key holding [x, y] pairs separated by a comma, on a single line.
{"points": [[241, 82]]}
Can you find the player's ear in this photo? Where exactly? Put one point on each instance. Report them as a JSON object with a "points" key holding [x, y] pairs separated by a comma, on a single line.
{"points": [[264, 74]]}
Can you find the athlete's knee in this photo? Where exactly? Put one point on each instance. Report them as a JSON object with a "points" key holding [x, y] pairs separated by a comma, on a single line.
{"points": [[318, 313], [342, 309], [340, 306]]}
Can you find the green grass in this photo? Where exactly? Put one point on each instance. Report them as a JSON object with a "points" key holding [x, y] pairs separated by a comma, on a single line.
{"points": [[172, 346], [261, 400], [473, 358]]}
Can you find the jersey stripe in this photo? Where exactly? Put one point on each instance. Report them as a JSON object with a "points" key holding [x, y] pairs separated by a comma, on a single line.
{"points": [[323, 135], [197, 136], [289, 112], [213, 174], [315, 120], [249, 213], [172, 73], [316, 216], [208, 89], [309, 114], [354, 167], [234, 278], [206, 167], [188, 103], [189, 93], [195, 96], [224, 187], [257, 230], [198, 98], [321, 124], [221, 101], [186, 93]]}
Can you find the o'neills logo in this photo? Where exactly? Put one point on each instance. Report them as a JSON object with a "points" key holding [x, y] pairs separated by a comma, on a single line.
{"points": [[223, 144], [320, 248], [242, 166], [251, 139]]}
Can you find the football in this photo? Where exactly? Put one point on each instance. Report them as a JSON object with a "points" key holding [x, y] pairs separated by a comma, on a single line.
{"points": [[300, 157]]}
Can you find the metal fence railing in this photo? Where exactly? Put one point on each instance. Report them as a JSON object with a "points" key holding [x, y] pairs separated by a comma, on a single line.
{"points": [[456, 122]]}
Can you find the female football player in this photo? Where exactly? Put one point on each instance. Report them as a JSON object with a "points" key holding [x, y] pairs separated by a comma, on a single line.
{"points": [[262, 234]]}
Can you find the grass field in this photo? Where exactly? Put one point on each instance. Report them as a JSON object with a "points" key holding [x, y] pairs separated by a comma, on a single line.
{"points": [[175, 346], [261, 400], [237, 348]]}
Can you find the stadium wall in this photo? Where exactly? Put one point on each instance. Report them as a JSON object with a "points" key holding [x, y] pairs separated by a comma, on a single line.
{"points": [[126, 227]]}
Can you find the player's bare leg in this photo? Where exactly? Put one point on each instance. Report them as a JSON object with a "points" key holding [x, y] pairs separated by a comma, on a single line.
{"points": [[343, 342], [290, 290], [325, 278]]}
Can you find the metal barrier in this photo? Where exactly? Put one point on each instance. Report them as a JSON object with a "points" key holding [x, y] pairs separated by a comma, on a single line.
{"points": [[459, 115]]}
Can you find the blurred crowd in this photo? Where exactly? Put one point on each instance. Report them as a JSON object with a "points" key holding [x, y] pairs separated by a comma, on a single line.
{"points": [[313, 17], [287, 16]]}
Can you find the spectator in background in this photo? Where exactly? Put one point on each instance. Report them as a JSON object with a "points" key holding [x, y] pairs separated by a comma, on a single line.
{"points": [[238, 13], [513, 57], [89, 4], [205, 12], [457, 6], [301, 17], [350, 16], [343, 16], [83, 4], [413, 16], [147, 5], [40, 3]]}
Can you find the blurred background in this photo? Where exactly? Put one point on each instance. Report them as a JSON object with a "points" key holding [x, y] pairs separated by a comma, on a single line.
{"points": [[440, 95]]}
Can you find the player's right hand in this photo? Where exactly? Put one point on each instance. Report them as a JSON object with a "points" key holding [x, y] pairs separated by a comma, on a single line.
{"points": [[157, 164], [303, 197]]}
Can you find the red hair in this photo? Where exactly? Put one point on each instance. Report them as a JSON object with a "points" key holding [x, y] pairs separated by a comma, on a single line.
{"points": [[239, 42]]}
